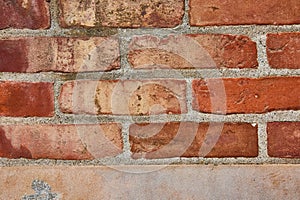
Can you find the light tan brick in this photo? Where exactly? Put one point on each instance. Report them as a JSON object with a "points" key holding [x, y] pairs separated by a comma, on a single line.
{"points": [[130, 97]]}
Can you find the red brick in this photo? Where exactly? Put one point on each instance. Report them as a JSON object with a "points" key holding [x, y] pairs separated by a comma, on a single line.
{"points": [[130, 97], [13, 56], [187, 139], [31, 14], [171, 182], [193, 51], [21, 99], [42, 54], [238, 12], [121, 13], [72, 142], [284, 139], [283, 50], [246, 95]]}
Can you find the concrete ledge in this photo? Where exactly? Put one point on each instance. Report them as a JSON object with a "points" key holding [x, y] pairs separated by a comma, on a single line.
{"points": [[151, 182]]}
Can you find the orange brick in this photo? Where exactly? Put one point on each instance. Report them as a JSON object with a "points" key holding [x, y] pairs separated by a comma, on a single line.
{"points": [[24, 99], [240, 12], [246, 95], [283, 50], [194, 51], [284, 139], [187, 139]]}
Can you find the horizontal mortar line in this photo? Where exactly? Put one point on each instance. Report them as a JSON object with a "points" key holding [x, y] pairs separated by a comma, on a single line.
{"points": [[26, 121], [148, 74], [166, 161], [30, 33], [35, 77], [56, 30], [228, 29], [251, 31], [186, 29], [57, 76], [245, 29], [279, 116], [195, 117], [208, 73], [242, 160]]}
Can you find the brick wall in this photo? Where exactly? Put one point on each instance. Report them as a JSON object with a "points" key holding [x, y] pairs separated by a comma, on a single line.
{"points": [[161, 86]]}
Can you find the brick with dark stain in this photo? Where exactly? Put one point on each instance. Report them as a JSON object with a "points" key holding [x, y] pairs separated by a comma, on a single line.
{"points": [[121, 13], [13, 55], [31, 14], [66, 142], [59, 54], [7, 150]]}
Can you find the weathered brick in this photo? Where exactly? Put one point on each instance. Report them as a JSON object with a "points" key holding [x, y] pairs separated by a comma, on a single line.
{"points": [[121, 13], [130, 97], [22, 99], [61, 54], [283, 50], [188, 139], [236, 12], [246, 95], [284, 139], [172, 182], [72, 142], [193, 51], [31, 14]]}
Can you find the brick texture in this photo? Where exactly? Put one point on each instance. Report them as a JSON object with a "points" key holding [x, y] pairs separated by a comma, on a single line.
{"points": [[121, 13], [193, 52], [246, 95], [172, 182], [31, 14], [41, 54], [146, 86], [22, 99], [70, 142], [187, 139], [284, 139], [123, 97], [239, 12], [283, 50]]}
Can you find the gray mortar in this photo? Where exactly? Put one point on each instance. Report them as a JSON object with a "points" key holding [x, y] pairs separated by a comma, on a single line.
{"points": [[256, 33]]}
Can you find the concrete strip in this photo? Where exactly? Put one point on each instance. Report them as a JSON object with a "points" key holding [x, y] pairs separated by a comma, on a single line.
{"points": [[171, 182]]}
